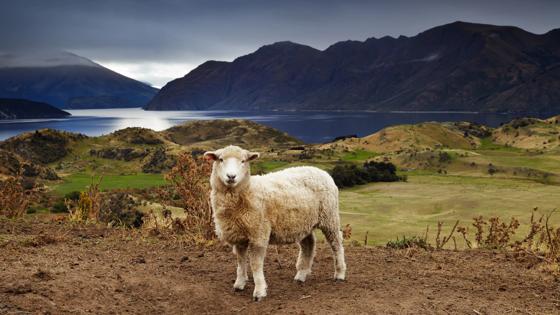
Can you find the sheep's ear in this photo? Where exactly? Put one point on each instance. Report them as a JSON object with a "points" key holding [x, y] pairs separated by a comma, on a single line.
{"points": [[210, 156], [252, 156]]}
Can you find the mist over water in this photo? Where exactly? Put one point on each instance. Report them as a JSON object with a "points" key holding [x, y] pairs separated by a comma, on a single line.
{"points": [[311, 127]]}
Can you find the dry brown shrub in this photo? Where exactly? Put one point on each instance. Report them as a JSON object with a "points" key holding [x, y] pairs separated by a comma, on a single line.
{"points": [[542, 241], [500, 233], [478, 223], [440, 242], [14, 198], [497, 236], [347, 232], [87, 207], [119, 208], [189, 181]]}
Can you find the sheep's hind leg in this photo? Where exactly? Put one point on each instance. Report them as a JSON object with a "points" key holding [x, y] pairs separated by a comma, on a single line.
{"points": [[256, 258], [305, 257], [334, 237], [241, 253]]}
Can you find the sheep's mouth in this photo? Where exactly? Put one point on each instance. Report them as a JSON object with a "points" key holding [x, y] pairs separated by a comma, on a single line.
{"points": [[230, 182]]}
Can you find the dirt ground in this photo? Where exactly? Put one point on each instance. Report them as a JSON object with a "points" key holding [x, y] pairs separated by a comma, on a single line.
{"points": [[49, 268]]}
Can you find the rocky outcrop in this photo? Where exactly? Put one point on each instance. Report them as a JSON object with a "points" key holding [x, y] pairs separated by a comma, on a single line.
{"points": [[158, 162], [124, 154], [13, 165], [136, 135], [42, 146]]}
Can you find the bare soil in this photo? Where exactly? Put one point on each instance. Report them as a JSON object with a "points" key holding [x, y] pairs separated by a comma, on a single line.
{"points": [[52, 268]]}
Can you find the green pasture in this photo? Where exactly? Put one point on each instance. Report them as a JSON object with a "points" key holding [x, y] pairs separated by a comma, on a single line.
{"points": [[388, 210], [80, 182]]}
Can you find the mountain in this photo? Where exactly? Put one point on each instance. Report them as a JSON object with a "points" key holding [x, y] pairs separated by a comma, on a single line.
{"points": [[66, 80], [454, 67], [24, 109]]}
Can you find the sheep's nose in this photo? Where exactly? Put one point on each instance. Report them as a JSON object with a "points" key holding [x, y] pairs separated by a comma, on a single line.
{"points": [[231, 176]]}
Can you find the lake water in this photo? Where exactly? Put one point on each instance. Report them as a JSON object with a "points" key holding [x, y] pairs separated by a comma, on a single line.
{"points": [[307, 126]]}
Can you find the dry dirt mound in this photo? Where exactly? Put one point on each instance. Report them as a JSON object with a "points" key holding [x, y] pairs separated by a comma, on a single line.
{"points": [[76, 270]]}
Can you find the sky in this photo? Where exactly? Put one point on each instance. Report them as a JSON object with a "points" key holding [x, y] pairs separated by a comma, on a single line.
{"points": [[157, 41]]}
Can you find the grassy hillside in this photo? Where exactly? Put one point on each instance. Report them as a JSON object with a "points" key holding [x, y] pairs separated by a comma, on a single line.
{"points": [[461, 135], [387, 210], [529, 133], [455, 171], [79, 181], [211, 134]]}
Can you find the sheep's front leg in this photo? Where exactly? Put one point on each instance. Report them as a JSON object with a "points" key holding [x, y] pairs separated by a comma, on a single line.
{"points": [[256, 258], [241, 280]]}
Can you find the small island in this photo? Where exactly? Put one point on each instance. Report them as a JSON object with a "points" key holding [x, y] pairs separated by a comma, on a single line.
{"points": [[26, 109]]}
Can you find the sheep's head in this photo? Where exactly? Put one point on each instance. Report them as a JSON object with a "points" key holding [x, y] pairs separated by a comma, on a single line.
{"points": [[231, 164]]}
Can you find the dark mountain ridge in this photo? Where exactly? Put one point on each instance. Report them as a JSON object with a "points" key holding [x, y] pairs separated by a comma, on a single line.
{"points": [[24, 109], [454, 67], [69, 81]]}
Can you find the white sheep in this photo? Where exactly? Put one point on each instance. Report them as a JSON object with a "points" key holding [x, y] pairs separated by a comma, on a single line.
{"points": [[283, 207]]}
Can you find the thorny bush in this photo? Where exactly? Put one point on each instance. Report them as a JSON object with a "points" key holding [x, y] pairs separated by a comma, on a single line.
{"points": [[87, 207], [542, 241], [14, 198], [189, 182]]}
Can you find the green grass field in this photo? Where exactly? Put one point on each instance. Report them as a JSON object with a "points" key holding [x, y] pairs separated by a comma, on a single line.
{"points": [[486, 144], [358, 156], [388, 210], [80, 182], [544, 162]]}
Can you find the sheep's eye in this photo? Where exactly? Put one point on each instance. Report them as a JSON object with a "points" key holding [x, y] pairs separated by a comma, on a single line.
{"points": [[221, 160], [243, 161]]}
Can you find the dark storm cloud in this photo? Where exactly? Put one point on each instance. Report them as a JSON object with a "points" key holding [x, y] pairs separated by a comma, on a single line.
{"points": [[173, 31]]}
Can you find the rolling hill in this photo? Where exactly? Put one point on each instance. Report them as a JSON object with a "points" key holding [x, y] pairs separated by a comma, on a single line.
{"points": [[520, 133], [454, 67], [133, 150], [66, 80], [24, 109]]}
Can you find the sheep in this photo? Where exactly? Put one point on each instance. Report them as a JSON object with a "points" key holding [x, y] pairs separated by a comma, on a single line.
{"points": [[282, 207]]}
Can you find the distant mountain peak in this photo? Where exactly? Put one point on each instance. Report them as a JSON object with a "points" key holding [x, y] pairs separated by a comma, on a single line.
{"points": [[66, 80], [43, 59], [458, 66], [285, 45]]}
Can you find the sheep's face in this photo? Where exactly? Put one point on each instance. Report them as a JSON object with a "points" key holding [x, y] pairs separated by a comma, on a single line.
{"points": [[231, 164]]}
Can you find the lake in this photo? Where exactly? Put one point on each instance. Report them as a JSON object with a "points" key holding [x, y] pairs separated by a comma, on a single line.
{"points": [[308, 126]]}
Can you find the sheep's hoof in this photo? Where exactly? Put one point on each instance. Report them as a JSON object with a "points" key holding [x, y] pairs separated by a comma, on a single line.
{"points": [[339, 280], [258, 298], [299, 281], [301, 276], [238, 289]]}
